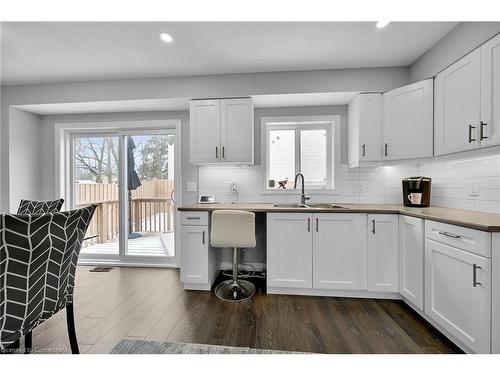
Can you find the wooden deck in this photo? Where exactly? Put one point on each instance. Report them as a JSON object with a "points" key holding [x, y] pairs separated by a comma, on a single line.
{"points": [[150, 244]]}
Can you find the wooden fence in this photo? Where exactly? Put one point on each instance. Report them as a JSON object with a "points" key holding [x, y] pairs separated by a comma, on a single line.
{"points": [[150, 209]]}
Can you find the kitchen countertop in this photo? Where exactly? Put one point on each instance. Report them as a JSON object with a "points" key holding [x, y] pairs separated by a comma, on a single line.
{"points": [[471, 219]]}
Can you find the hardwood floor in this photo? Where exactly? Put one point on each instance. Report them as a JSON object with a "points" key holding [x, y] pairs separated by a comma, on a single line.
{"points": [[149, 303]]}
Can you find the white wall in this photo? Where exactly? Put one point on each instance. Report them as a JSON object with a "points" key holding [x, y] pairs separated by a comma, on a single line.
{"points": [[464, 38], [25, 164], [453, 178], [341, 80], [47, 139]]}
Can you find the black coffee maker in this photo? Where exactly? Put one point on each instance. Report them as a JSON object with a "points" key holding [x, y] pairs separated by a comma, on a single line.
{"points": [[417, 191]]}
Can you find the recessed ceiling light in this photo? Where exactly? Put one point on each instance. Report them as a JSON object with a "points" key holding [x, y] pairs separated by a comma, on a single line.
{"points": [[167, 38], [381, 24]]}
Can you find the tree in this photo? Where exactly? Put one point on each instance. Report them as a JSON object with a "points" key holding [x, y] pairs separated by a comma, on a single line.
{"points": [[153, 158], [96, 158]]}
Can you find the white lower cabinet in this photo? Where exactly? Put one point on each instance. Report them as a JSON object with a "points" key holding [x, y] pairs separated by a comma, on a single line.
{"points": [[194, 255], [458, 294], [339, 251], [383, 253], [411, 260], [289, 250]]}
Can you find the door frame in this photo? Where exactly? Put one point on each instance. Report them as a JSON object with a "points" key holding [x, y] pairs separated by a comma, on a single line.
{"points": [[64, 177]]}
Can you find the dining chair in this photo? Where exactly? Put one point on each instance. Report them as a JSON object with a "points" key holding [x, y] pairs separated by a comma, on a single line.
{"points": [[31, 207], [38, 257]]}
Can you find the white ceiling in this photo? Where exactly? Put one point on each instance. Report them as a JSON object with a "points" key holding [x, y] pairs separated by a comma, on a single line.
{"points": [[42, 52], [181, 104]]}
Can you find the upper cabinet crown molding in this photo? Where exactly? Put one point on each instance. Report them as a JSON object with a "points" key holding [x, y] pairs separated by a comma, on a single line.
{"points": [[221, 131], [408, 121], [365, 129]]}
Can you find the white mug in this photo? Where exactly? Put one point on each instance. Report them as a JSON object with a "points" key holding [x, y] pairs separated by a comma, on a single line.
{"points": [[415, 198]]}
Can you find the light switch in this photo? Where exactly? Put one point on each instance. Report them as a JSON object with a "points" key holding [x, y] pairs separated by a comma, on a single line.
{"points": [[191, 187]]}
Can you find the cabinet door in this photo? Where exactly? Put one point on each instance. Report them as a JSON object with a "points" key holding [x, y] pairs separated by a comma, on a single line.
{"points": [[194, 254], [204, 131], [237, 130], [458, 295], [370, 131], [408, 121], [457, 106], [339, 251], [383, 253], [411, 260], [365, 129], [490, 92], [289, 250]]}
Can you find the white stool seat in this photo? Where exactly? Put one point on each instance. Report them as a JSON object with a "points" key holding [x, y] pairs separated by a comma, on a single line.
{"points": [[232, 228]]}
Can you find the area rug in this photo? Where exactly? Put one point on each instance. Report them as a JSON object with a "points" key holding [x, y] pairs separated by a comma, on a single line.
{"points": [[128, 346]]}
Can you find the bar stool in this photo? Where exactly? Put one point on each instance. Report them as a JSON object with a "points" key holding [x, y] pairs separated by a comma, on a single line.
{"points": [[236, 229]]}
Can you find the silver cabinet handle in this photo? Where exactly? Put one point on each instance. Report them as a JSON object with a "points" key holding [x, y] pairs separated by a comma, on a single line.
{"points": [[455, 236], [373, 226], [317, 225], [386, 146], [223, 152], [363, 147], [193, 217], [216, 152], [308, 224], [475, 267], [203, 237], [482, 136], [470, 134]]}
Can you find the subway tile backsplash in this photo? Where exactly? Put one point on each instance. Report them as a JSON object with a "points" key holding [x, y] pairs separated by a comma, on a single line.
{"points": [[471, 183]]}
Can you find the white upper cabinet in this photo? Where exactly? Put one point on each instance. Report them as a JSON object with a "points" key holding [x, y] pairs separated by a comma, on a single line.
{"points": [[237, 138], [408, 121], [411, 260], [339, 251], [365, 129], [383, 253], [490, 93], [458, 106], [221, 130], [204, 131]]}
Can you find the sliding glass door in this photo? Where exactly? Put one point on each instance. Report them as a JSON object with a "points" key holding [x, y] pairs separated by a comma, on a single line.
{"points": [[96, 181], [150, 187], [130, 176]]}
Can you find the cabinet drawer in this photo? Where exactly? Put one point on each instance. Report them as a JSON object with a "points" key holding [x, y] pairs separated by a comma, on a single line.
{"points": [[194, 218], [475, 241]]}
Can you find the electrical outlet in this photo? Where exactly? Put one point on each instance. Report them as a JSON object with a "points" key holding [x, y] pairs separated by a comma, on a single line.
{"points": [[191, 187], [474, 188], [234, 186]]}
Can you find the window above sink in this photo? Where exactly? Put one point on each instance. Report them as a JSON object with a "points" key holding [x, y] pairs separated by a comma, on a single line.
{"points": [[306, 144]]}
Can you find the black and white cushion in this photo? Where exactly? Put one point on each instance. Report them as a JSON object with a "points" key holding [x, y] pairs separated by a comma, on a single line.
{"points": [[39, 207], [38, 256]]}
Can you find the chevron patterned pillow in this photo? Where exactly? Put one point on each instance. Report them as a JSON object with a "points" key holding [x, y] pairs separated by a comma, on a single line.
{"points": [[39, 207], [38, 256]]}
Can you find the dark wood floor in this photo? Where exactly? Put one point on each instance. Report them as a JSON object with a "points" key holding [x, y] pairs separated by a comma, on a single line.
{"points": [[151, 304]]}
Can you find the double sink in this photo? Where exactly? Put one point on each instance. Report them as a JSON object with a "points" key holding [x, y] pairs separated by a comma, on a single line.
{"points": [[328, 206]]}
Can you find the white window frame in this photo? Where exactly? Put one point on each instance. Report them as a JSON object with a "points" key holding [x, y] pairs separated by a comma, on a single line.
{"points": [[64, 133], [330, 123]]}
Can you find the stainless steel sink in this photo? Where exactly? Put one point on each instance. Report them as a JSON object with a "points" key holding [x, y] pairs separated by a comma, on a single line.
{"points": [[290, 205], [325, 205], [310, 205]]}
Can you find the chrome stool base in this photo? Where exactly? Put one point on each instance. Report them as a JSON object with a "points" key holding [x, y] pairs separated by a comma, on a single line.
{"points": [[231, 292]]}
